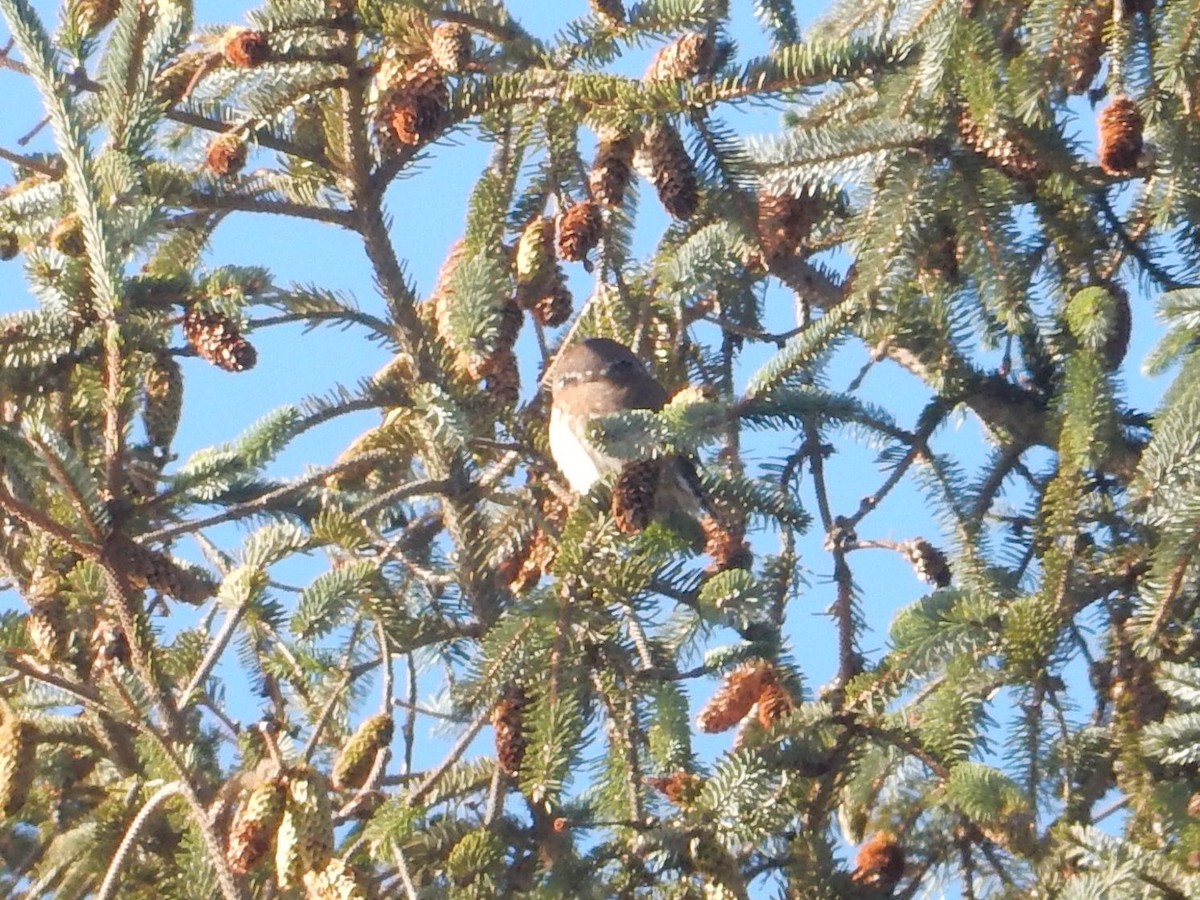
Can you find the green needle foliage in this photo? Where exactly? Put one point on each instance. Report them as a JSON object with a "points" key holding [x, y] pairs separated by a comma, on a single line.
{"points": [[1031, 725]]}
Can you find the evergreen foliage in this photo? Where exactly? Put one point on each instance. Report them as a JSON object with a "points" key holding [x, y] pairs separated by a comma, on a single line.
{"points": [[1030, 728]]}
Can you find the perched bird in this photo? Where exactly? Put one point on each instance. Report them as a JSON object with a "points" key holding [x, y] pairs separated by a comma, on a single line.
{"points": [[598, 377]]}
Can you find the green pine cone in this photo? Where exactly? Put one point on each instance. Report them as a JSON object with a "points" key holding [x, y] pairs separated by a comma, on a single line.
{"points": [[358, 756]]}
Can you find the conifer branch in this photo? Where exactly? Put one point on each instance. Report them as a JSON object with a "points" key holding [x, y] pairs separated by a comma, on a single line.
{"points": [[108, 886]]}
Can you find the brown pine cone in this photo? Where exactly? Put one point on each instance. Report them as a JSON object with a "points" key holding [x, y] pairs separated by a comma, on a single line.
{"points": [[735, 697], [215, 338], [47, 625], [774, 703], [9, 245], [246, 48], [255, 824], [93, 15], [67, 236], [157, 571], [1003, 148], [508, 720], [681, 788], [671, 170], [18, 762], [579, 230], [1120, 136], [450, 47], [226, 155], [109, 645], [784, 224], [416, 106], [880, 862], [511, 320], [1085, 51], [503, 379], [554, 303], [164, 399], [611, 12], [685, 57], [929, 562], [727, 546], [357, 758], [612, 169], [633, 495]]}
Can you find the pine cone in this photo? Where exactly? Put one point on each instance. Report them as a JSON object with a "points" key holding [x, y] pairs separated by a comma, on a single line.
{"points": [[726, 545], [109, 645], [9, 245], [734, 699], [304, 841], [226, 155], [358, 756], [157, 571], [246, 48], [579, 230], [611, 12], [774, 703], [177, 80], [612, 169], [450, 47], [47, 624], [415, 109], [1006, 150], [928, 561], [503, 381], [554, 305], [215, 338], [255, 824], [1117, 344], [18, 762], [535, 251], [880, 862], [685, 57], [334, 882], [67, 236], [784, 224], [93, 15], [1085, 51], [633, 495], [1120, 136], [516, 570], [671, 170], [681, 788], [511, 320], [508, 721], [164, 399]]}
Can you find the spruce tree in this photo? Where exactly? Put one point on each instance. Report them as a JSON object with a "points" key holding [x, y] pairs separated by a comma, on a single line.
{"points": [[929, 206]]}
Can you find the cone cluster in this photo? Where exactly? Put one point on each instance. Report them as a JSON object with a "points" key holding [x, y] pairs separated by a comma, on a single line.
{"points": [[215, 338], [415, 106], [880, 862], [1121, 126], [579, 229], [633, 495], [685, 57], [450, 47], [245, 48], [612, 168], [508, 719], [928, 561], [357, 758], [1002, 148], [226, 155], [671, 170], [745, 686], [164, 399], [541, 284]]}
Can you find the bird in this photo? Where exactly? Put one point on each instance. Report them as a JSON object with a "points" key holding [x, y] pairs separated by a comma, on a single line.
{"points": [[597, 377]]}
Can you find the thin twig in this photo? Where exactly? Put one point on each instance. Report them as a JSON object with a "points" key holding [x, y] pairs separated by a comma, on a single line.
{"points": [[108, 886], [460, 747]]}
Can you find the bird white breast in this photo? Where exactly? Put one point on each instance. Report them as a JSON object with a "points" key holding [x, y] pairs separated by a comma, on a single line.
{"points": [[581, 466]]}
